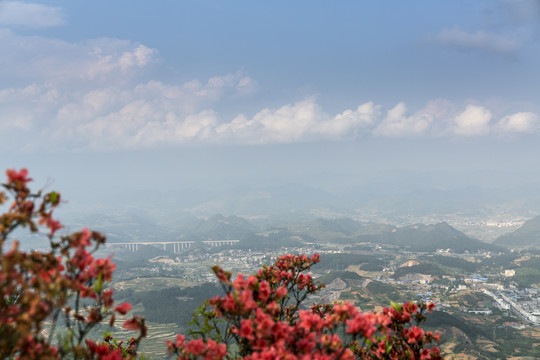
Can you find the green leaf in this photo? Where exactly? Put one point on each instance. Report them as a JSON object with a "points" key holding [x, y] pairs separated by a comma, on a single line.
{"points": [[395, 306], [53, 197], [98, 285]]}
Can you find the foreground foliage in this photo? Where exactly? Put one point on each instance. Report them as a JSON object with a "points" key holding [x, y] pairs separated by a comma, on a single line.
{"points": [[65, 285], [50, 300], [261, 317]]}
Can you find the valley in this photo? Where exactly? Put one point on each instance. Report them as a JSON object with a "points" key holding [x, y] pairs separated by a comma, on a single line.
{"points": [[487, 295]]}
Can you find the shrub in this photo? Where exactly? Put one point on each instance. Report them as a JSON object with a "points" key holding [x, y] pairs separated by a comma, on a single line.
{"points": [[65, 284], [261, 317]]}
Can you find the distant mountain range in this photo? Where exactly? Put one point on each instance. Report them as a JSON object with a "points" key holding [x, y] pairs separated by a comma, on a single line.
{"points": [[418, 237], [275, 200], [219, 227], [347, 231], [299, 200], [526, 236], [428, 238]]}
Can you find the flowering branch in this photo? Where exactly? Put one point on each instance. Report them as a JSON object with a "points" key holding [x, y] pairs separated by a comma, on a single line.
{"points": [[65, 283], [265, 320]]}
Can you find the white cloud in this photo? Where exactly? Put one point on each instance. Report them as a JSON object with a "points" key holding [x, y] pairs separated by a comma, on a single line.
{"points": [[87, 95], [350, 122], [302, 121], [105, 64], [397, 124], [30, 15], [478, 40], [474, 121], [191, 95], [506, 27], [118, 116], [40, 59], [246, 86], [174, 130], [155, 114], [20, 108], [145, 115], [138, 125], [522, 122], [287, 124]]}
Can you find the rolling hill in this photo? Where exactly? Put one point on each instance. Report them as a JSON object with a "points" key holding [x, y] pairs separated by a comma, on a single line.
{"points": [[428, 238], [526, 236]]}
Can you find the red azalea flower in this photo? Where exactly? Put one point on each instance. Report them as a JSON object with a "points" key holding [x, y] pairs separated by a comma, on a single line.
{"points": [[123, 308], [196, 347], [21, 176], [54, 225]]}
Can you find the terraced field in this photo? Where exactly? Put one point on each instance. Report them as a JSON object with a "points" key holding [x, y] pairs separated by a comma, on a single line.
{"points": [[152, 283], [153, 346]]}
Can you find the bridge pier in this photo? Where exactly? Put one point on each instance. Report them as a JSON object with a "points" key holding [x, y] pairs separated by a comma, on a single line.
{"points": [[177, 246]]}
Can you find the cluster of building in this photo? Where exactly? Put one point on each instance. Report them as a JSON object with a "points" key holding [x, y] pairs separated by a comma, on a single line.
{"points": [[523, 303]]}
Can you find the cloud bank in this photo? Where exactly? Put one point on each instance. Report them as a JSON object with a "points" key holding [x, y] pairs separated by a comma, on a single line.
{"points": [[155, 114], [90, 95]]}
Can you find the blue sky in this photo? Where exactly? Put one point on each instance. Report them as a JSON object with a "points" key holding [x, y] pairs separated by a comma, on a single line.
{"points": [[184, 87]]}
